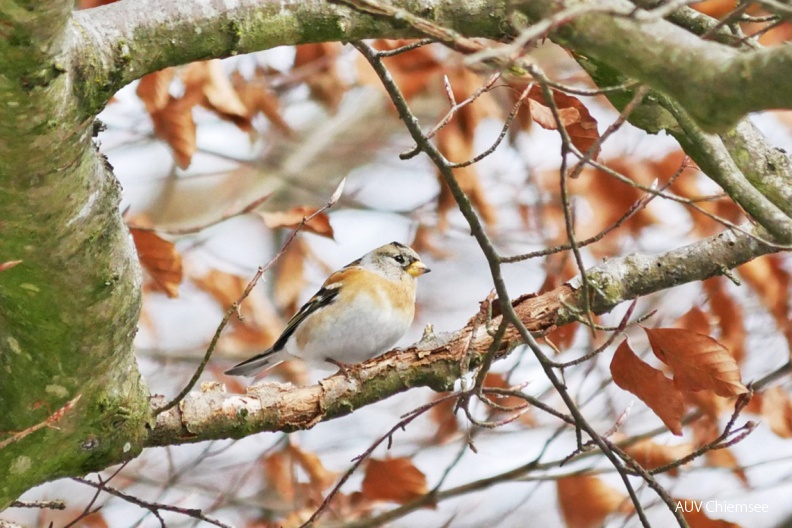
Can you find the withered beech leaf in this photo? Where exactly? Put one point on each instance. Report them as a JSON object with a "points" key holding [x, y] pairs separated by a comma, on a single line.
{"points": [[319, 476], [323, 79], [290, 279], [393, 480], [585, 501], [580, 125], [650, 385], [777, 411], [174, 123], [153, 89], [694, 320], [442, 414], [729, 316], [699, 362], [651, 455], [319, 224], [160, 259]]}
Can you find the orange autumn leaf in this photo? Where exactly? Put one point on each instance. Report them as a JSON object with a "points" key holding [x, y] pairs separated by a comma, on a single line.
{"points": [[319, 224], [207, 84], [393, 480], [160, 259], [694, 320], [442, 414], [260, 324], [777, 411], [324, 80], [319, 477], [698, 361], [515, 404], [413, 71], [454, 143], [705, 431], [651, 455], [290, 279], [258, 97], [766, 275], [586, 501], [278, 472], [650, 385], [153, 89], [573, 115], [729, 316], [174, 123]]}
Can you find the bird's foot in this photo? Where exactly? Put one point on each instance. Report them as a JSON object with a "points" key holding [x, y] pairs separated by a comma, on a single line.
{"points": [[343, 368]]}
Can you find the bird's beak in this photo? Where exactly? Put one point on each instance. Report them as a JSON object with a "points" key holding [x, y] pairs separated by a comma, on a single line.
{"points": [[417, 268]]}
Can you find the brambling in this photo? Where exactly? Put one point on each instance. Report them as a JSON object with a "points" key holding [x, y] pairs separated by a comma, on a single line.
{"points": [[360, 311]]}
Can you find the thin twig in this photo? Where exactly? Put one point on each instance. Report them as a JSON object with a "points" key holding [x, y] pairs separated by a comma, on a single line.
{"points": [[154, 508]]}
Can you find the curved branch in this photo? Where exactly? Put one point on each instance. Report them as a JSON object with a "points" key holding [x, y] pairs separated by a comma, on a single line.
{"points": [[716, 84], [115, 44], [436, 361]]}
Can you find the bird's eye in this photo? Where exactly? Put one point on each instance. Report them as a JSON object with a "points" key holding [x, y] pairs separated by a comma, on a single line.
{"points": [[399, 259]]}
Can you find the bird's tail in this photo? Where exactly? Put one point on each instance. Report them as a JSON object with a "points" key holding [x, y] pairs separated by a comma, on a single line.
{"points": [[254, 365]]}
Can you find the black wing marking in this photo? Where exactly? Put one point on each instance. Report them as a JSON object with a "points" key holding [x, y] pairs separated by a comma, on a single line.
{"points": [[324, 297]]}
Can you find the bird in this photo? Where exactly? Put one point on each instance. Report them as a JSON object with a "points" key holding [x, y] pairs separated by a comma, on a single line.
{"points": [[360, 311]]}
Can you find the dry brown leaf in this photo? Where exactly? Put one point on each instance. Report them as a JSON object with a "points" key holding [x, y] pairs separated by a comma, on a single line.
{"points": [[319, 476], [160, 259], [324, 82], [729, 317], [206, 83], [650, 385], [174, 123], [651, 455], [279, 474], [709, 403], [694, 513], [259, 326], [453, 143], [543, 116], [258, 97], [319, 224], [724, 458], [393, 480], [768, 278], [698, 361], [777, 411], [705, 431], [443, 416], [573, 115], [694, 320], [586, 501], [153, 89], [413, 71], [290, 279], [498, 381]]}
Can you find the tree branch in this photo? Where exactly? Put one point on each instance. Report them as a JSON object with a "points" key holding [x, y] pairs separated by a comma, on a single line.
{"points": [[436, 361], [674, 61]]}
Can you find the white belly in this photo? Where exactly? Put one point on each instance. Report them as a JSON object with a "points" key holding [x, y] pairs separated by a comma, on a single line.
{"points": [[353, 336]]}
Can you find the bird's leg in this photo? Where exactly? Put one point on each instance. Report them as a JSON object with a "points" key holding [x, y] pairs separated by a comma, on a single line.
{"points": [[343, 368]]}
